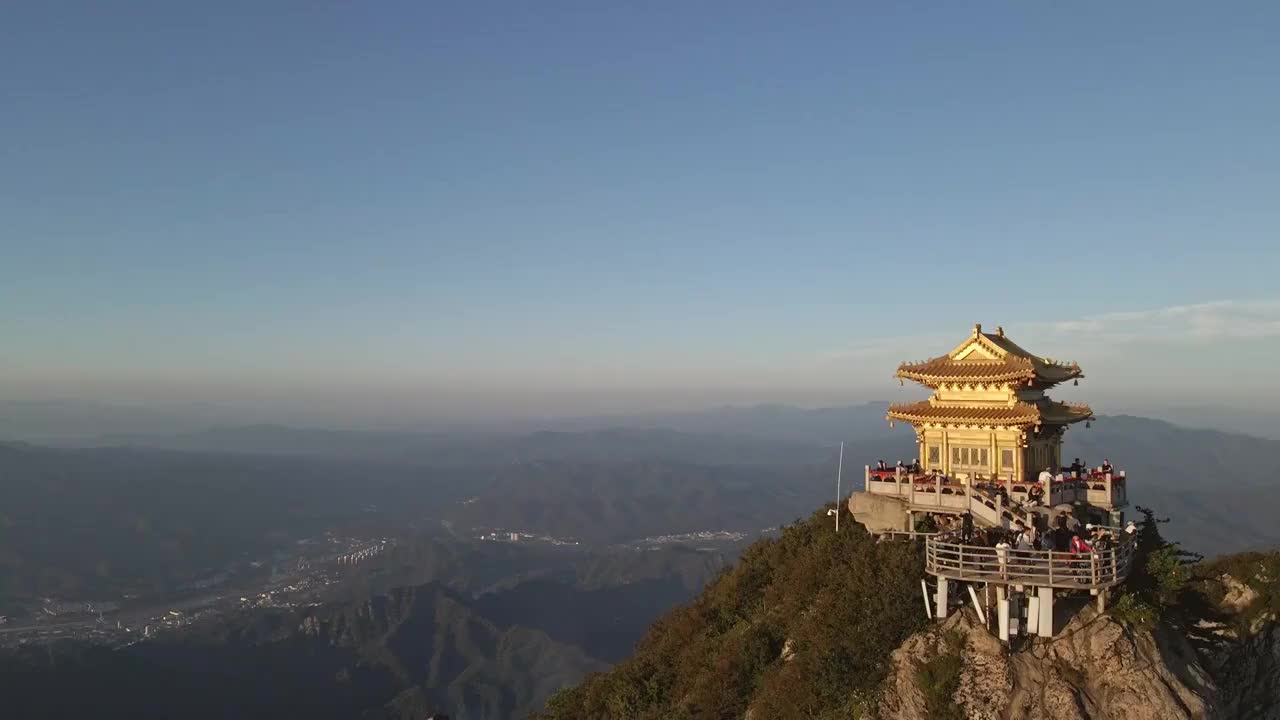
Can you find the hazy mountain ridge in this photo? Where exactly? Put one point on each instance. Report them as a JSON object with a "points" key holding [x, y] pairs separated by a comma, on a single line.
{"points": [[400, 655], [473, 448], [393, 655], [134, 516]]}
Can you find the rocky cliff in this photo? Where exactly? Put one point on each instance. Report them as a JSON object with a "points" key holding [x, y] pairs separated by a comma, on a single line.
{"points": [[1224, 665], [827, 625]]}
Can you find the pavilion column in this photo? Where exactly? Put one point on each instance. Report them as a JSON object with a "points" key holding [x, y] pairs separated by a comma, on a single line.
{"points": [[993, 448]]}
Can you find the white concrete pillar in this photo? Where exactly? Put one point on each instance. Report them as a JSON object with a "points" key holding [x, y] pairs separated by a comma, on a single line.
{"points": [[1045, 626], [1003, 611], [973, 595], [941, 612]]}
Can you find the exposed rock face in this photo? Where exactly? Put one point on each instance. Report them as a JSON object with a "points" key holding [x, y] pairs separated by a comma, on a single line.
{"points": [[1237, 596], [1249, 675], [1093, 669]]}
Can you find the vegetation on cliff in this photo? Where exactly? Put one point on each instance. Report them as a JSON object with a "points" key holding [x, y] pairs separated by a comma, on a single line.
{"points": [[799, 628]]}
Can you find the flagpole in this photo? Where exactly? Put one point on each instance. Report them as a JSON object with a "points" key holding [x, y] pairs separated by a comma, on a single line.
{"points": [[839, 472]]}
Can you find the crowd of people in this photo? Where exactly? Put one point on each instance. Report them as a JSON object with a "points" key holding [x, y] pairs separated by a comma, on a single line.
{"points": [[1078, 468], [913, 469], [1084, 542]]}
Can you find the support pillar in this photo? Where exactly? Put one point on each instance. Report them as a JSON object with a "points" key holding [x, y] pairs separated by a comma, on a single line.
{"points": [[941, 600], [1003, 611], [973, 595], [1102, 600], [1045, 626], [911, 522]]}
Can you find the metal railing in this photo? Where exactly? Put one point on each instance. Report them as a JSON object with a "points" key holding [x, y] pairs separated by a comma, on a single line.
{"points": [[952, 497], [1094, 570], [903, 534], [1102, 489]]}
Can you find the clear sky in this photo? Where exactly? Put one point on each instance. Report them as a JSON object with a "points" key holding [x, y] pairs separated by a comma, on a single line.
{"points": [[445, 207]]}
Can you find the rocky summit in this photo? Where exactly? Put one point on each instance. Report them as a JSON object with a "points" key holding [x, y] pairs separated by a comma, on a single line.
{"points": [[1185, 639]]}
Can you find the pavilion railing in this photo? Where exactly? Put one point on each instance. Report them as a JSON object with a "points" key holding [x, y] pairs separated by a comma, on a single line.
{"points": [[1102, 489], [1096, 570]]}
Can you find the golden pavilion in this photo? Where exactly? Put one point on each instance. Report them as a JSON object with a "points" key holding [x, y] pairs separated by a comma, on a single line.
{"points": [[989, 416], [990, 496]]}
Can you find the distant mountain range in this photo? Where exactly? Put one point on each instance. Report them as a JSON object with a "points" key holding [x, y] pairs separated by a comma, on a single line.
{"points": [[483, 448], [124, 514], [446, 622], [71, 422]]}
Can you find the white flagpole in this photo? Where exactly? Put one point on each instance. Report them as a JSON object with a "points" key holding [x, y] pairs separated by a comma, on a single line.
{"points": [[839, 472]]}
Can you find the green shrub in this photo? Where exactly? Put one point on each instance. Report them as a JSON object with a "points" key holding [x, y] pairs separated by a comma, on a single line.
{"points": [[1130, 610], [842, 600], [939, 677]]}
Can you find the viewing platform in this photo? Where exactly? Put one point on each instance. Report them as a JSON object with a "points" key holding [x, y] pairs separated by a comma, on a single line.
{"points": [[1094, 571]]}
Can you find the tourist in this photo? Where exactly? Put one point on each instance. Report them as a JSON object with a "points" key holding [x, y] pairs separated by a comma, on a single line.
{"points": [[1076, 467], [1002, 556], [882, 465], [1080, 548], [900, 467], [966, 528], [1106, 466], [1131, 530], [1046, 476], [1062, 535], [915, 467], [1102, 538], [1024, 540]]}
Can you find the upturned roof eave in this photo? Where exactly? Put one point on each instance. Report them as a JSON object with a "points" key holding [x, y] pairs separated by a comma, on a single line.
{"points": [[925, 413]]}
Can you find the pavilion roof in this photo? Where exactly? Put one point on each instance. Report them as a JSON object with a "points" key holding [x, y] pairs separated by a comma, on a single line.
{"points": [[1043, 413], [989, 358]]}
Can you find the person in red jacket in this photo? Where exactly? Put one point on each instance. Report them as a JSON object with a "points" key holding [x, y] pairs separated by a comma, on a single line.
{"points": [[1084, 556]]}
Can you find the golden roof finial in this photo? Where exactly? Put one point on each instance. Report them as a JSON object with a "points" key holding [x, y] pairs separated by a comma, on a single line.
{"points": [[999, 331], [977, 329]]}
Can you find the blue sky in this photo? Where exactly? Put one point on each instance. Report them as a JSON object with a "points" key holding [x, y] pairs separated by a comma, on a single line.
{"points": [[718, 201]]}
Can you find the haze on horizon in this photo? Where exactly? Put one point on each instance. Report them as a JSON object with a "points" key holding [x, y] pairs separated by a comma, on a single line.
{"points": [[353, 214]]}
